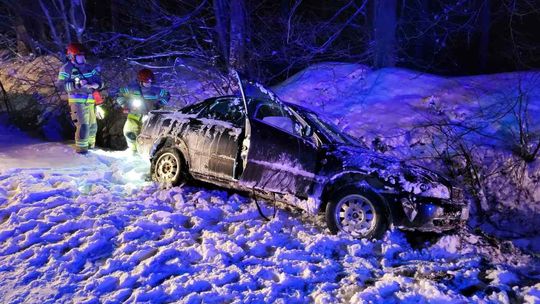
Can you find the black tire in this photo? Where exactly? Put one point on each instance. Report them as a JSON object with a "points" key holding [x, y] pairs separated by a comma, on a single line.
{"points": [[168, 167], [368, 217]]}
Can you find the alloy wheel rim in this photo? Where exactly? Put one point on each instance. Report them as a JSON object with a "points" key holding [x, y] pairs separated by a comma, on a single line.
{"points": [[355, 215], [167, 168]]}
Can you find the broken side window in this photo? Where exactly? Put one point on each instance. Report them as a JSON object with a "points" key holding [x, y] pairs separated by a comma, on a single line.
{"points": [[194, 108], [225, 109], [276, 115]]}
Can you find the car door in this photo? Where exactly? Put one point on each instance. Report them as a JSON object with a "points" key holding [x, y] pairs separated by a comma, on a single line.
{"points": [[220, 132], [188, 129], [279, 159]]}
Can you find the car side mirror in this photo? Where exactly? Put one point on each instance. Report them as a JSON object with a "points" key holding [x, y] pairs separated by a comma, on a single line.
{"points": [[307, 131]]}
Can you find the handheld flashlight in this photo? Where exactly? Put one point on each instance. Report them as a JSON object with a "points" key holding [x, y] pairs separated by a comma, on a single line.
{"points": [[136, 102]]}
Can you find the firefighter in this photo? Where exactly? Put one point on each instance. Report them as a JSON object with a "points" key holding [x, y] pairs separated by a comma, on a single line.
{"points": [[137, 100], [82, 83]]}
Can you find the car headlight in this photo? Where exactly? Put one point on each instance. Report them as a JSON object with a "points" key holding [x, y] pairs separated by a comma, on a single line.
{"points": [[434, 190]]}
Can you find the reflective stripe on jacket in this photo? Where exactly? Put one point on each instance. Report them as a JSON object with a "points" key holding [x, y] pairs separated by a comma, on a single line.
{"points": [[69, 78], [153, 97]]}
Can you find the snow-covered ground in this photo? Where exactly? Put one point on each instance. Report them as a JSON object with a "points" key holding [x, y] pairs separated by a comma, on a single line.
{"points": [[89, 229], [451, 124]]}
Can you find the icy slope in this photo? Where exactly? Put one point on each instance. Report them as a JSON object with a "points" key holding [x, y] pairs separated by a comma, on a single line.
{"points": [[88, 229], [391, 102], [435, 121]]}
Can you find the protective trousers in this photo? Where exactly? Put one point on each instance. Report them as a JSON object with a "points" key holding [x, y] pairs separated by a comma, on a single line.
{"points": [[132, 129], [83, 116]]}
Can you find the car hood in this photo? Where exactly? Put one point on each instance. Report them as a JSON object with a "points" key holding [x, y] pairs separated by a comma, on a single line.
{"points": [[395, 174]]}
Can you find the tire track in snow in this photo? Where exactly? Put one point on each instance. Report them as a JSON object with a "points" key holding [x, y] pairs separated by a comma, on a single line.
{"points": [[93, 236]]}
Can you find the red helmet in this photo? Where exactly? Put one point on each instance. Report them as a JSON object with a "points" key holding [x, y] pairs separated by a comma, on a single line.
{"points": [[145, 75], [74, 49]]}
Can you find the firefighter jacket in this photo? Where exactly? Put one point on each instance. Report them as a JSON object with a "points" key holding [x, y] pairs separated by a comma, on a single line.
{"points": [[70, 78], [138, 100]]}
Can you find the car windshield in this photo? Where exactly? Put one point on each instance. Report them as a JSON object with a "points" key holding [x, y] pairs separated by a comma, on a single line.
{"points": [[225, 109], [330, 130]]}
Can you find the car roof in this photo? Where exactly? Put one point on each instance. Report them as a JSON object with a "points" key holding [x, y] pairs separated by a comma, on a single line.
{"points": [[299, 107], [294, 106]]}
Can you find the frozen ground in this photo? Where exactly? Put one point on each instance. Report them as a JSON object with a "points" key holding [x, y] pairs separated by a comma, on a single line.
{"points": [[88, 229]]}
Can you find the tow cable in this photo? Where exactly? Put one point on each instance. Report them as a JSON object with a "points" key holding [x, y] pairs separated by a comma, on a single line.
{"points": [[260, 210]]}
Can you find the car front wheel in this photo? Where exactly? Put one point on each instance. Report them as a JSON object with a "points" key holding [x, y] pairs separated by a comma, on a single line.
{"points": [[167, 167], [356, 212]]}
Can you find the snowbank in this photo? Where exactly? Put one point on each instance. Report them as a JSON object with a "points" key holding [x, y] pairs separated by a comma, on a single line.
{"points": [[454, 124], [38, 106]]}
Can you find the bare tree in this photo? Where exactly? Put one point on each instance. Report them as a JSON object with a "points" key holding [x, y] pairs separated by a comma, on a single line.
{"points": [[522, 133], [485, 30], [237, 50], [25, 46], [221, 12], [77, 17], [384, 33], [52, 26], [287, 42]]}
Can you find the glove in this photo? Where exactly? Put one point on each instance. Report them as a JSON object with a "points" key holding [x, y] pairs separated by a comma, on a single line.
{"points": [[100, 112]]}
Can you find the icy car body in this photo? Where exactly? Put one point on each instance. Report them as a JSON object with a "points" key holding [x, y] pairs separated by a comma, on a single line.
{"points": [[287, 153]]}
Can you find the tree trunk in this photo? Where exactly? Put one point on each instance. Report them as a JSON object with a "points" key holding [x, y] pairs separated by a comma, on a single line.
{"points": [[67, 32], [384, 31], [485, 23], [114, 15], [51, 24], [5, 98], [24, 42], [222, 24], [237, 55], [422, 42]]}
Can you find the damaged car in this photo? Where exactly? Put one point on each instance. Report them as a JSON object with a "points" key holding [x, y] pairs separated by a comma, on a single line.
{"points": [[283, 152]]}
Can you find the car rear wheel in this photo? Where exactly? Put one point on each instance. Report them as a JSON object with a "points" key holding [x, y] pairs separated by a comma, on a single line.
{"points": [[356, 212], [167, 167]]}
